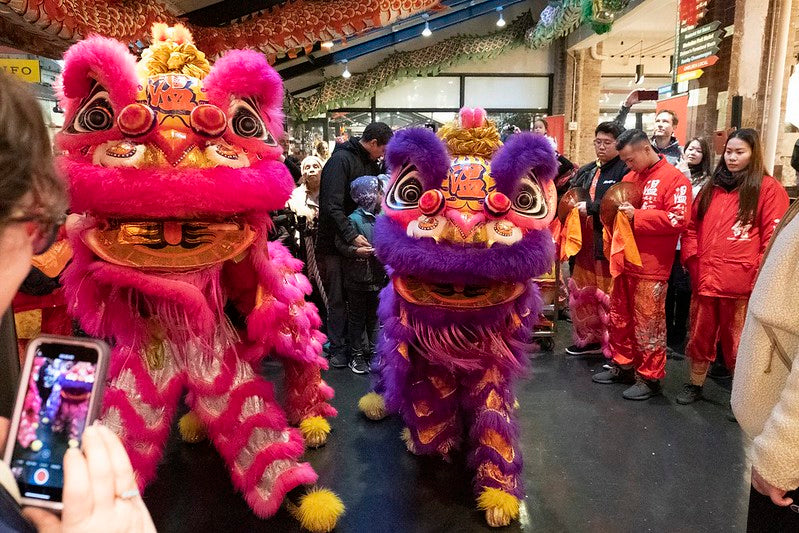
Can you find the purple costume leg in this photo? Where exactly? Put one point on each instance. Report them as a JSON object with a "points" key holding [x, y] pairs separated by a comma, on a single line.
{"points": [[487, 398], [431, 411]]}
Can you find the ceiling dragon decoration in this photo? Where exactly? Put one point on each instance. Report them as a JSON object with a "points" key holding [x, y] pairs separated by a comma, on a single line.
{"points": [[52, 25]]}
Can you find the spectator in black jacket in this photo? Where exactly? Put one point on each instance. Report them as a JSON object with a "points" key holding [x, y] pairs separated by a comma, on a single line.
{"points": [[349, 160], [591, 271]]}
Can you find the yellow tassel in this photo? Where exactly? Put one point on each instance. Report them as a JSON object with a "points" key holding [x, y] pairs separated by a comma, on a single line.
{"points": [[373, 406], [191, 428], [319, 510], [406, 438], [315, 431], [500, 507]]}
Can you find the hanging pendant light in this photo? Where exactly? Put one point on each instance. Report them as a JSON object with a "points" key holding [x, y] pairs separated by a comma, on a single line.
{"points": [[346, 74], [501, 19]]}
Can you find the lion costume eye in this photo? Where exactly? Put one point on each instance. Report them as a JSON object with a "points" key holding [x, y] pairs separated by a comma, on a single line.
{"points": [[95, 115], [247, 122], [529, 201], [406, 191]]}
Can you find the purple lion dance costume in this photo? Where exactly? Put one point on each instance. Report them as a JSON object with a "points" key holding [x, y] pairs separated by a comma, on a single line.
{"points": [[463, 237]]}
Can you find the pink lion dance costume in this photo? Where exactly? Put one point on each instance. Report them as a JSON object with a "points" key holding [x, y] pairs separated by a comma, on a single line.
{"points": [[173, 167], [464, 233]]}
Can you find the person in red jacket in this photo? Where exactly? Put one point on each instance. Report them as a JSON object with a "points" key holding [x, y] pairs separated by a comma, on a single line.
{"points": [[638, 297], [732, 221]]}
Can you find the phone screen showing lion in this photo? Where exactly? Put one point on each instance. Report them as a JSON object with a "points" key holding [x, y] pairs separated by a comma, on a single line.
{"points": [[55, 408]]}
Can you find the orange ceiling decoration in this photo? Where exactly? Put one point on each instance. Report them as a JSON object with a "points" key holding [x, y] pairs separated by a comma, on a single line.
{"points": [[52, 25]]}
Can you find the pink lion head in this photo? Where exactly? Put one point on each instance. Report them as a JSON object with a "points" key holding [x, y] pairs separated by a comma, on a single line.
{"points": [[170, 154]]}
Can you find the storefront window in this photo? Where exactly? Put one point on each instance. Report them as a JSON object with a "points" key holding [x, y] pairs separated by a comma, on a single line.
{"points": [[421, 93]]}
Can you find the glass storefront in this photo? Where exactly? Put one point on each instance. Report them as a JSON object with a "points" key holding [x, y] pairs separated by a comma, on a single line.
{"points": [[429, 101]]}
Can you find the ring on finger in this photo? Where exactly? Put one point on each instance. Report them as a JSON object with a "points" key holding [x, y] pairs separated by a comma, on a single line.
{"points": [[129, 494]]}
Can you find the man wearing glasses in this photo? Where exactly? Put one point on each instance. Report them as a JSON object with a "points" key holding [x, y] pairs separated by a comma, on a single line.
{"points": [[589, 285]]}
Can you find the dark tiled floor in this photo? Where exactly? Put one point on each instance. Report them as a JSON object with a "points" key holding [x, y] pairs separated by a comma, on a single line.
{"points": [[593, 463]]}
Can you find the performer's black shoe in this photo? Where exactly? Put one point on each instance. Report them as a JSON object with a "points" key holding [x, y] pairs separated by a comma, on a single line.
{"points": [[615, 374], [643, 389], [690, 394], [589, 349], [719, 372]]}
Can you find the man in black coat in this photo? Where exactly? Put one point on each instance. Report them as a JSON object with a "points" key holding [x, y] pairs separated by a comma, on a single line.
{"points": [[349, 160]]}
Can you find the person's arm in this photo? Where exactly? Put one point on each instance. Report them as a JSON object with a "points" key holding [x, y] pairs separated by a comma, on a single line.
{"points": [[774, 204], [775, 455], [332, 194], [673, 218], [689, 249], [345, 249]]}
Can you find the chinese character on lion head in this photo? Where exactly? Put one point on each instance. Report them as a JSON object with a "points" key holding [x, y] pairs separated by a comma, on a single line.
{"points": [[173, 167]]}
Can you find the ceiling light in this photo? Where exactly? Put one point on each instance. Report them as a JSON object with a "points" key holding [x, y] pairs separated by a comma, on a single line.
{"points": [[501, 19], [346, 74], [327, 45], [427, 32]]}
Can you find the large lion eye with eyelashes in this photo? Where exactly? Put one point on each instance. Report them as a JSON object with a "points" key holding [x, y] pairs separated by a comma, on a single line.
{"points": [[406, 191], [529, 200], [95, 115], [246, 122]]}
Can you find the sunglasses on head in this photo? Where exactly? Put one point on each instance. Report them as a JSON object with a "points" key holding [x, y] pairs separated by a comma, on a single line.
{"points": [[43, 229]]}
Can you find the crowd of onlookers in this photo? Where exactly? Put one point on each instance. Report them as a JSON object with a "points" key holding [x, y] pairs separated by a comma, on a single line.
{"points": [[667, 264]]}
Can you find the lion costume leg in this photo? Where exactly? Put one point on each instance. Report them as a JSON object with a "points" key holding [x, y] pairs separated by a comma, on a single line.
{"points": [[431, 412], [495, 455], [139, 404]]}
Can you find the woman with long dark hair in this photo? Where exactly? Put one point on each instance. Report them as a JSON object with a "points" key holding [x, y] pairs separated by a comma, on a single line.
{"points": [[696, 163], [732, 221]]}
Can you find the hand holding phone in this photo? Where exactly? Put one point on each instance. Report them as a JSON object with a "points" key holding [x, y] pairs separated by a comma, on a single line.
{"points": [[94, 482], [60, 393]]}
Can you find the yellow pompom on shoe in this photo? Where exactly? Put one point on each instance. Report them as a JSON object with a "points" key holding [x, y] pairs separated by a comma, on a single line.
{"points": [[315, 430], [500, 507], [191, 428], [373, 406], [318, 511]]}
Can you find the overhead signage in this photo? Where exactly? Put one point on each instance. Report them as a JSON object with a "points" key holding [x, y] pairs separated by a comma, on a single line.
{"points": [[26, 69], [692, 11], [666, 91], [698, 64], [690, 75]]}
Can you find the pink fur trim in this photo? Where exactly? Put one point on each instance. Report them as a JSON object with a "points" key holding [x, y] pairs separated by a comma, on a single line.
{"points": [[247, 73], [170, 193], [105, 60], [302, 474]]}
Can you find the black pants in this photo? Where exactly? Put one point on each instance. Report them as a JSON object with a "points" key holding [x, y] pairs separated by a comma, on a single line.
{"points": [[678, 304], [765, 517], [362, 318], [333, 276]]}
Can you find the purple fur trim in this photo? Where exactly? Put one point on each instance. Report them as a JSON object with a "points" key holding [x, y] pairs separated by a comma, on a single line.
{"points": [[520, 154], [422, 148], [436, 262]]}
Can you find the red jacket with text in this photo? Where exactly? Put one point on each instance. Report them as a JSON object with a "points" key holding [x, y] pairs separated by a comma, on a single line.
{"points": [[728, 252], [663, 216]]}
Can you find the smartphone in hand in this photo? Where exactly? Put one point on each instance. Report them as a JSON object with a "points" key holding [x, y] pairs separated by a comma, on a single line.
{"points": [[60, 393]]}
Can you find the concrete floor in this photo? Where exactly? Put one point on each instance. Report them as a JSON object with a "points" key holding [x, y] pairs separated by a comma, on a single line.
{"points": [[594, 462]]}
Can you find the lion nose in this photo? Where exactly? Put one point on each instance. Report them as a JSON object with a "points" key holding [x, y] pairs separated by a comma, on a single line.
{"points": [[174, 144]]}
